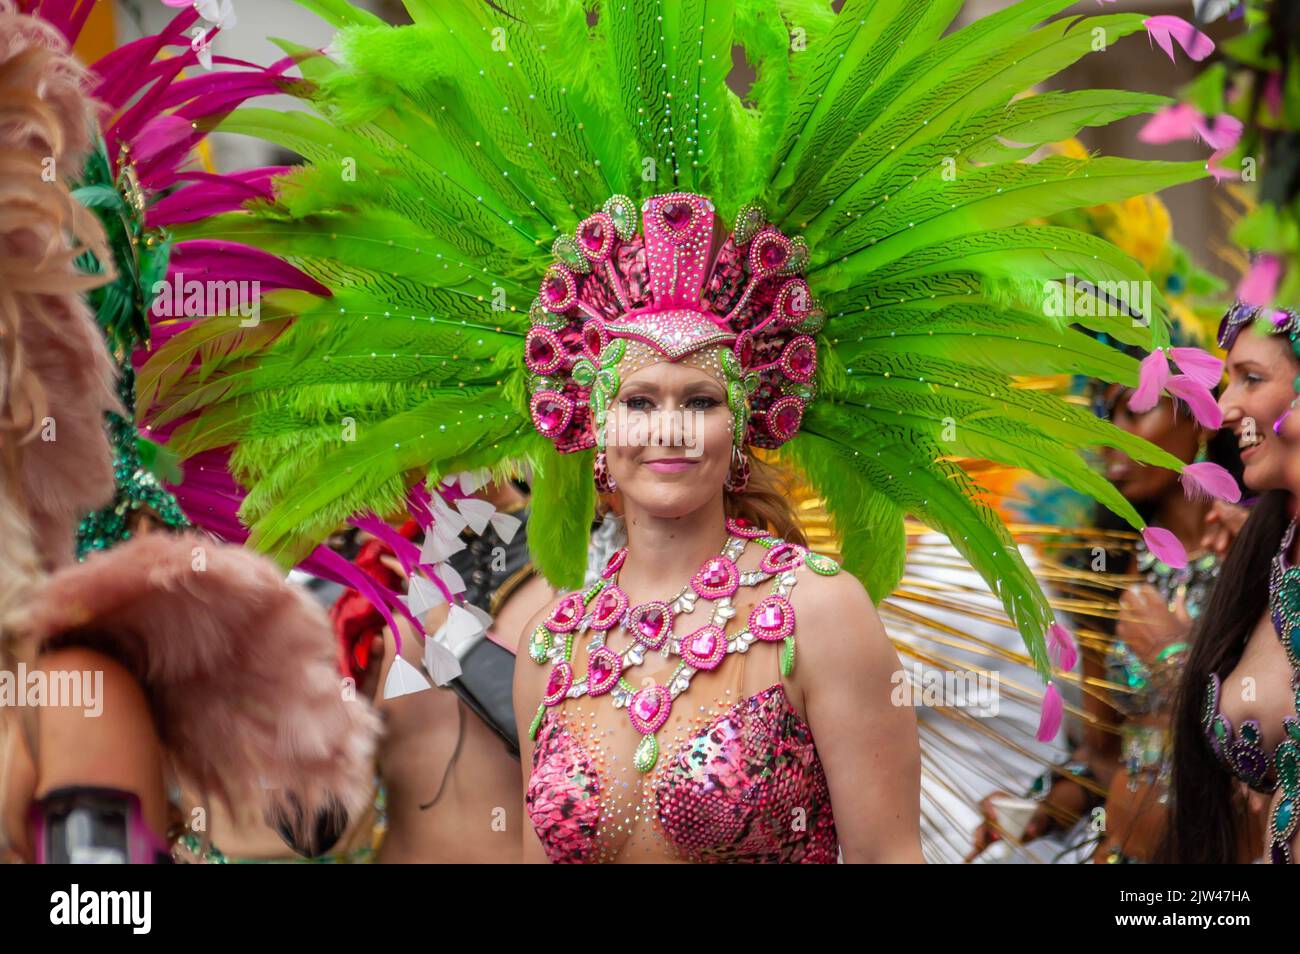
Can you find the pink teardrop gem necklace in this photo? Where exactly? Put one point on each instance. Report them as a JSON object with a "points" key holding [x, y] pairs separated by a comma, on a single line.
{"points": [[604, 605]]}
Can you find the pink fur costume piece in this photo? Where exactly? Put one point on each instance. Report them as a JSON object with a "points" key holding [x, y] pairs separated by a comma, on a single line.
{"points": [[239, 667]]}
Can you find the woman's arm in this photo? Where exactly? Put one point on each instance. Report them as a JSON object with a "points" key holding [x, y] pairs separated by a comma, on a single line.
{"points": [[530, 685], [846, 670]]}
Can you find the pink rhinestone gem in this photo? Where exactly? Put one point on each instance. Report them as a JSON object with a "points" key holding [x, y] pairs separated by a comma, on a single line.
{"points": [[677, 215], [705, 648], [559, 683], [566, 614], [785, 556], [802, 360], [550, 414], [771, 617], [593, 234], [651, 624], [704, 643], [615, 563], [556, 289], [540, 350], [715, 573], [773, 255], [603, 669], [745, 351], [646, 705], [786, 419], [607, 603]]}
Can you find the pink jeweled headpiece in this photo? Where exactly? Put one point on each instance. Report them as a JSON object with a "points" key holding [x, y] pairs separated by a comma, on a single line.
{"points": [[677, 287]]}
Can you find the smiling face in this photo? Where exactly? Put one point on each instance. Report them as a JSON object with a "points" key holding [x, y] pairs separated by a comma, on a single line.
{"points": [[668, 438], [1261, 370], [1176, 433]]}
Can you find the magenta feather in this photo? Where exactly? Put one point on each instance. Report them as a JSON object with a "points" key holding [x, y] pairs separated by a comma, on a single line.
{"points": [[1049, 723], [1152, 375], [1165, 547], [1199, 398], [1219, 172], [1171, 124], [1208, 479], [1259, 285], [216, 260], [1166, 30], [212, 195], [1061, 647], [1199, 365]]}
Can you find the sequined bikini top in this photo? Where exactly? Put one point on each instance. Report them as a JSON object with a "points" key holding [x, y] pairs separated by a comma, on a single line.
{"points": [[1242, 753], [736, 777]]}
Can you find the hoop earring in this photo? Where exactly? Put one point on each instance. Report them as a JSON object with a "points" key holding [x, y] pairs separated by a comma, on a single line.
{"points": [[738, 477], [605, 483]]}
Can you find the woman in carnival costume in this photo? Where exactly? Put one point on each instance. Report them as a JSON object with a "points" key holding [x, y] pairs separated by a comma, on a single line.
{"points": [[595, 237], [1235, 727]]}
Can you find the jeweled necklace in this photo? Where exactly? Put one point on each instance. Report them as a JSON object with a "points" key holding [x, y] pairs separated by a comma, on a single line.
{"points": [[650, 627], [1284, 608]]}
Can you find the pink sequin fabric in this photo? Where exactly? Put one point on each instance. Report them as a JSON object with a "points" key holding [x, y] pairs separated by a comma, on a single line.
{"points": [[742, 785]]}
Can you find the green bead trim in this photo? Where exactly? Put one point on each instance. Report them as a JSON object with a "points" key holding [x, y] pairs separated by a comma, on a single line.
{"points": [[814, 322], [730, 363], [538, 315], [787, 656], [607, 381], [566, 249], [804, 392], [625, 685], [646, 754], [612, 354], [622, 211], [750, 219], [820, 563], [537, 721], [798, 258], [539, 644], [739, 410]]}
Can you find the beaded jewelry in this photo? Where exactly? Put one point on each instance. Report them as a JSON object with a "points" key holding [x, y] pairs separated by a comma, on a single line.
{"points": [[604, 605]]}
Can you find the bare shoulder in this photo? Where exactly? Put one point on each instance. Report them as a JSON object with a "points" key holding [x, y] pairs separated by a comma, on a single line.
{"points": [[533, 622], [837, 622]]}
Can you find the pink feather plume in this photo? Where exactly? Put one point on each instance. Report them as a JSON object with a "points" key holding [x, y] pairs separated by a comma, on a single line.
{"points": [[1166, 30]]}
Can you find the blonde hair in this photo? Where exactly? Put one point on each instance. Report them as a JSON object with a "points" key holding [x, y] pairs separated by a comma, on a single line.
{"points": [[765, 501]]}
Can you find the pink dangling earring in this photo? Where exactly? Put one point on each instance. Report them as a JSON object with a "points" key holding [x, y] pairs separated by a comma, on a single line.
{"points": [[738, 477], [604, 479]]}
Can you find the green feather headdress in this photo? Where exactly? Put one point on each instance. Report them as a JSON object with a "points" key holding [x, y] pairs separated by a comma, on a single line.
{"points": [[445, 157]]}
